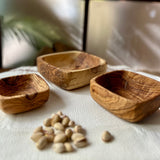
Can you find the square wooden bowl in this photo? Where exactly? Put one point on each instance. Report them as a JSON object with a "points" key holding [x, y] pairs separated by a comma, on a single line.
{"points": [[70, 70], [22, 93], [128, 95]]}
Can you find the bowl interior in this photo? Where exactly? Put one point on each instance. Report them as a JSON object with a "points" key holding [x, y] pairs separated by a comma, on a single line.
{"points": [[21, 85], [130, 85], [73, 60]]}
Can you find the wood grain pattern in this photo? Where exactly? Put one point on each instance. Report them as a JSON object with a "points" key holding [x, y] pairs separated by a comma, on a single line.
{"points": [[70, 70], [22, 93], [128, 95]]}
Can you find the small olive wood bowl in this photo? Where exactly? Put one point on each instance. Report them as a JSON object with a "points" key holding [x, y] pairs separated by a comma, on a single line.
{"points": [[22, 93], [128, 95], [70, 70]]}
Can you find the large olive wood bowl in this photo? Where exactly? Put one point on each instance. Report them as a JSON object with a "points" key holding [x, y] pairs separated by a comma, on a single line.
{"points": [[128, 95], [70, 70], [22, 93]]}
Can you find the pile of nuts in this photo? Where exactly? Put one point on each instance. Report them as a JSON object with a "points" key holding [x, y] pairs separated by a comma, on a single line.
{"points": [[61, 131]]}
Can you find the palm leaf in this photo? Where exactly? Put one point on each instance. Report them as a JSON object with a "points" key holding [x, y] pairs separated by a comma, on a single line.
{"points": [[55, 26], [35, 31]]}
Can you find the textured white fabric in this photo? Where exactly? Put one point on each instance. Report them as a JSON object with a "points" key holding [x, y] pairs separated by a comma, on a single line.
{"points": [[139, 141]]}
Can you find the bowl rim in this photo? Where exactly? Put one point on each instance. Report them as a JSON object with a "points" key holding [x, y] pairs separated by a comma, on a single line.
{"points": [[3, 97], [102, 61]]}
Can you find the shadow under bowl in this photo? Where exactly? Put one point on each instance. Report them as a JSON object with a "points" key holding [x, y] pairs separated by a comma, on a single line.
{"points": [[128, 95]]}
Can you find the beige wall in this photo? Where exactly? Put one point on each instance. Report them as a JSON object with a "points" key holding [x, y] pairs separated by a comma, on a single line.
{"points": [[126, 33]]}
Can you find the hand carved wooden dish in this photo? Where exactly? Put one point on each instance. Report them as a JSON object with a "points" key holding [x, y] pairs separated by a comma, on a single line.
{"points": [[128, 95], [22, 93], [70, 70]]}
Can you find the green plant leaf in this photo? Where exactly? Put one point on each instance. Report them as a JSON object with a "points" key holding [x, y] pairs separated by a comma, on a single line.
{"points": [[36, 32]]}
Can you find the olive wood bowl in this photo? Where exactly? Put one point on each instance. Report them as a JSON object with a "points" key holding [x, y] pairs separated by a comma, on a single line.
{"points": [[128, 95], [22, 93], [70, 70]]}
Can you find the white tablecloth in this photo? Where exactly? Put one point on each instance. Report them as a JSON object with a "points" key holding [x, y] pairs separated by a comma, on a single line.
{"points": [[139, 141]]}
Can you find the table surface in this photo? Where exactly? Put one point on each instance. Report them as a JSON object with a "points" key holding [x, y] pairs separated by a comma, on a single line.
{"points": [[132, 141]]}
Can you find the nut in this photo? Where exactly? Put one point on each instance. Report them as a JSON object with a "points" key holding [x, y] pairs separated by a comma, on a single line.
{"points": [[106, 136], [71, 124], [80, 142], [68, 132], [49, 133], [47, 122], [60, 113], [42, 142], [38, 129], [50, 138], [36, 136], [59, 126], [48, 130], [60, 138], [77, 135], [59, 132], [65, 121], [56, 118], [59, 147], [68, 147], [78, 129]]}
